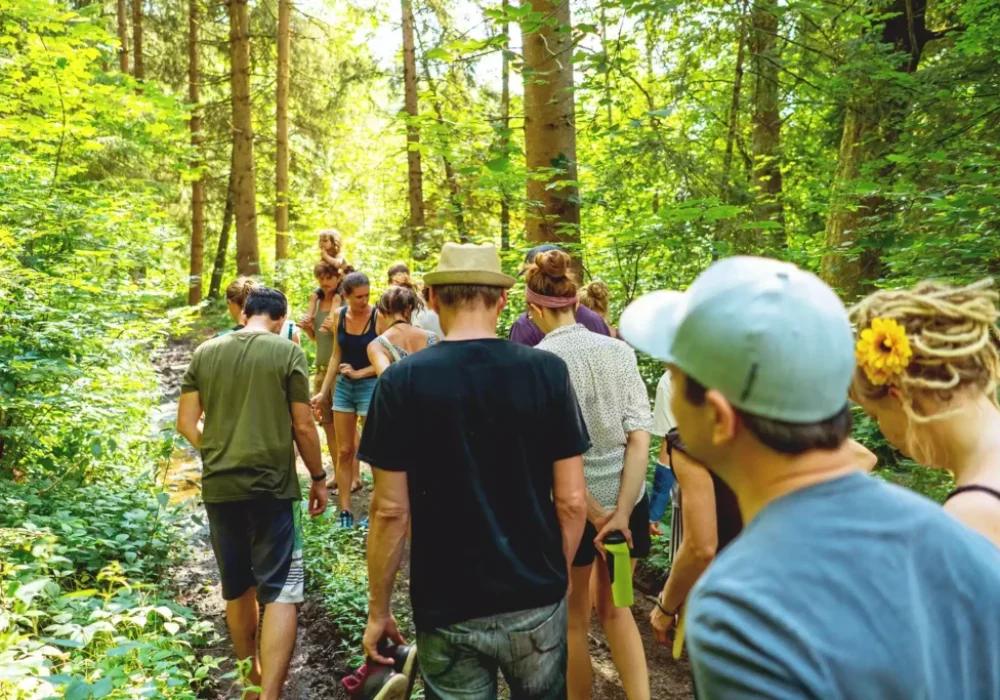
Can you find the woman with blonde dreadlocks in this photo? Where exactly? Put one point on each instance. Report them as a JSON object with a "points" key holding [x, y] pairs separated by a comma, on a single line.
{"points": [[928, 370]]}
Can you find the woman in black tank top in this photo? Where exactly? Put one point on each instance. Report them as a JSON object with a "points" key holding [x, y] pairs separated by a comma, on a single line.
{"points": [[352, 378], [928, 369]]}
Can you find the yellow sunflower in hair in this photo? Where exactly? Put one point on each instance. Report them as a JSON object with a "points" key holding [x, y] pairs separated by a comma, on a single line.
{"points": [[883, 351]]}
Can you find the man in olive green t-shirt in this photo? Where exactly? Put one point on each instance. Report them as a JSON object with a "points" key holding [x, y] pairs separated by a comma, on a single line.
{"points": [[253, 387]]}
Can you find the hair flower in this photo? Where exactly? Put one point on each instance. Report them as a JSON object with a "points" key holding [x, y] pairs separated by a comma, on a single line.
{"points": [[883, 351]]}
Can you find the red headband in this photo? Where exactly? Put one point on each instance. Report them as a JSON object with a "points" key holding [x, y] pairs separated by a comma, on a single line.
{"points": [[548, 302]]}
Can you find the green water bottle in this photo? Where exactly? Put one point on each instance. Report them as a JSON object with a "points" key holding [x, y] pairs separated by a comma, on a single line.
{"points": [[619, 569]]}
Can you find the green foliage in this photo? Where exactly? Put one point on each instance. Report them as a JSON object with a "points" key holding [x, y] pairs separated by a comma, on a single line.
{"points": [[81, 613]]}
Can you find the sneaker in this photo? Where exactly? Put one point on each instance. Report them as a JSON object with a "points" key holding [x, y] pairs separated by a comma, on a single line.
{"points": [[346, 519], [363, 523], [404, 658], [376, 682]]}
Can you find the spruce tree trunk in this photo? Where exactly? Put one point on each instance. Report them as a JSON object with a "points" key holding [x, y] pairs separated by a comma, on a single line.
{"points": [[123, 36], [244, 177], [281, 149], [198, 185], [219, 268], [553, 213], [851, 264], [138, 71], [416, 185], [505, 138], [766, 178]]}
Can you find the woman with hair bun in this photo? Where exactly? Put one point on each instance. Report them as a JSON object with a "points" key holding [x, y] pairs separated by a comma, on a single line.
{"points": [[401, 338], [236, 296], [928, 370], [596, 296], [615, 407]]}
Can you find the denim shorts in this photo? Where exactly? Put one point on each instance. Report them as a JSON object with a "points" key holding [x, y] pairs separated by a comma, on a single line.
{"points": [[353, 395], [527, 647]]}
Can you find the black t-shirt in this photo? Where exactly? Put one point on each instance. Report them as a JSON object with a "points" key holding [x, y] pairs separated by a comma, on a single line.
{"points": [[476, 425]]}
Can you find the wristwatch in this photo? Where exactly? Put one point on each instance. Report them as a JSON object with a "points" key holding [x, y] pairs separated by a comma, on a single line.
{"points": [[321, 477]]}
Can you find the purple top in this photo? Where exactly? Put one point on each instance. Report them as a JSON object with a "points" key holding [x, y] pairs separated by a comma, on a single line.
{"points": [[527, 333]]}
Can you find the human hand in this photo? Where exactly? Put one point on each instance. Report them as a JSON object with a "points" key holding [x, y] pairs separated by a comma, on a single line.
{"points": [[345, 369], [617, 521], [316, 400], [655, 530], [318, 497], [377, 628], [328, 323], [663, 625], [306, 323]]}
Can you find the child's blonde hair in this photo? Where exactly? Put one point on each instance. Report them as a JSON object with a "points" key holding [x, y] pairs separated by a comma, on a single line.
{"points": [[331, 235], [952, 333]]}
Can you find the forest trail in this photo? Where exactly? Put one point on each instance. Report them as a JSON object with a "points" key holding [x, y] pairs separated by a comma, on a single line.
{"points": [[319, 660]]}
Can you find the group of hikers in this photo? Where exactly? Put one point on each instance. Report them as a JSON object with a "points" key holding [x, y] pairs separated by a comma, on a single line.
{"points": [[510, 465]]}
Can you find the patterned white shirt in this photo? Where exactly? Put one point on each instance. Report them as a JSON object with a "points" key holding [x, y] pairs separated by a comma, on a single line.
{"points": [[612, 398]]}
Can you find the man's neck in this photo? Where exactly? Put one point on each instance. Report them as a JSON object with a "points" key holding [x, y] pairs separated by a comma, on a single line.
{"points": [[258, 324], [468, 324], [760, 476]]}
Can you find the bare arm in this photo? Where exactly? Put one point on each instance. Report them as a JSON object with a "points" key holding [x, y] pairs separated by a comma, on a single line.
{"points": [[189, 410], [379, 358], [634, 474], [389, 515], [308, 442], [701, 533], [569, 492], [334, 367]]}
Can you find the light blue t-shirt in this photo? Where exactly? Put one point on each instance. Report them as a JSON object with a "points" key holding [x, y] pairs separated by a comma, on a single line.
{"points": [[851, 589]]}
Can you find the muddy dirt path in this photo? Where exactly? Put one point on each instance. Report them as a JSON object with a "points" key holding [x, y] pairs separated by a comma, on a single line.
{"points": [[319, 661]]}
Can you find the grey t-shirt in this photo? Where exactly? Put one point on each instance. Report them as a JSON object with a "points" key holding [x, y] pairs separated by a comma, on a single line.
{"points": [[853, 588]]}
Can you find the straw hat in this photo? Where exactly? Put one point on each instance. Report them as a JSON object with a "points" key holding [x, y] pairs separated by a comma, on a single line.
{"points": [[466, 263]]}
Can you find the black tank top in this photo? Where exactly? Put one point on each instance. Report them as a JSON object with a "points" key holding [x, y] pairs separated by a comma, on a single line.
{"points": [[354, 348]]}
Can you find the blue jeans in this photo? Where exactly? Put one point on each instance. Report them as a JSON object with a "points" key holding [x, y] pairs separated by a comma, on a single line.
{"points": [[460, 661]]}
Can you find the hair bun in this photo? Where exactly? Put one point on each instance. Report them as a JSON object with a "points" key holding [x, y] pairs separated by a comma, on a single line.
{"points": [[402, 279], [553, 263]]}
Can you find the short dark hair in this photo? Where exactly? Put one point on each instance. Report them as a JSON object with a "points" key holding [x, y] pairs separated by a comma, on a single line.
{"points": [[266, 300], [326, 270], [355, 280], [467, 294], [396, 269], [782, 436]]}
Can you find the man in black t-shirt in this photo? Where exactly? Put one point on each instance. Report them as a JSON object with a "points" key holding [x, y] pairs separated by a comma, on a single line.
{"points": [[479, 441]]}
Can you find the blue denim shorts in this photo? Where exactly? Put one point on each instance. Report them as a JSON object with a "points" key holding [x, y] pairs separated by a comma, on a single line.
{"points": [[353, 395]]}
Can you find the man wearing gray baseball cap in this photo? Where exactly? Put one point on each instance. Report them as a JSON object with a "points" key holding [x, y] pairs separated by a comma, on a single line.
{"points": [[840, 586]]}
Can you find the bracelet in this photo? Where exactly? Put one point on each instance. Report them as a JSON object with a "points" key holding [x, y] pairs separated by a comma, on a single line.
{"points": [[319, 478], [664, 610]]}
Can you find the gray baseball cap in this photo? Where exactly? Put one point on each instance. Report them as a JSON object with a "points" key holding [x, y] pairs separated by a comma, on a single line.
{"points": [[775, 340]]}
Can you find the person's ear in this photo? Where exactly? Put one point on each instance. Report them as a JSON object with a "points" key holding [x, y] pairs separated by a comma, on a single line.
{"points": [[502, 302], [895, 393], [243, 318], [536, 311], [432, 301], [723, 416]]}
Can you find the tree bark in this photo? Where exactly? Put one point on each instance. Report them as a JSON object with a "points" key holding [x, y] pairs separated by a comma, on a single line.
{"points": [[220, 254], [871, 127], [553, 214], [244, 177], [123, 36], [198, 185], [137, 70], [416, 185], [505, 134], [766, 139], [281, 148], [734, 108]]}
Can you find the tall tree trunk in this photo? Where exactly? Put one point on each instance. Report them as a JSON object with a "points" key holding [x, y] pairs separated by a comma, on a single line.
{"points": [[244, 177], [123, 36], [553, 213], [734, 107], [870, 128], [281, 149], [416, 184], [766, 150], [138, 71], [505, 134], [219, 268], [198, 185]]}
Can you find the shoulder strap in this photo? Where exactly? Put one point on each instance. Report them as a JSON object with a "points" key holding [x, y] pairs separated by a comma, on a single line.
{"points": [[389, 348], [371, 322], [973, 487], [431, 338]]}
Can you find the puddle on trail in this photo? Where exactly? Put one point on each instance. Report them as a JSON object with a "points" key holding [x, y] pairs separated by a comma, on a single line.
{"points": [[183, 477]]}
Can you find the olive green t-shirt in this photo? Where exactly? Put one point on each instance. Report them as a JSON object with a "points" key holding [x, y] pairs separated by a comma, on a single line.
{"points": [[247, 382]]}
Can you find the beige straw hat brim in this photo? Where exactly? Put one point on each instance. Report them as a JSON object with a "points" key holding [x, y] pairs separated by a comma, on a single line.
{"points": [[486, 278]]}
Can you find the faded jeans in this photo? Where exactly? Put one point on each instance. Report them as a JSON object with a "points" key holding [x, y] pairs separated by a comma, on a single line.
{"points": [[529, 647]]}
